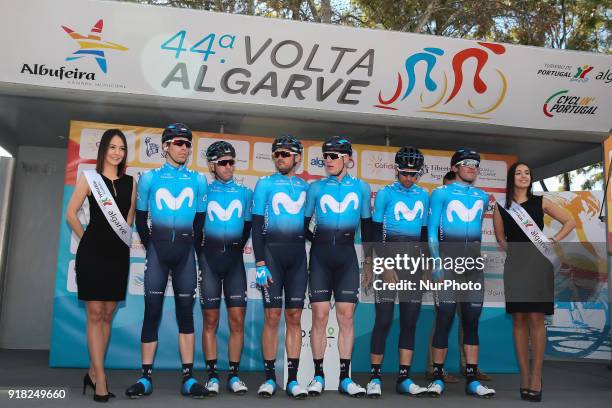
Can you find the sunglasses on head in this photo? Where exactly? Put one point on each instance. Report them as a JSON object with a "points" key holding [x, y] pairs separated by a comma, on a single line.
{"points": [[469, 163], [333, 156], [224, 163], [180, 143], [282, 153]]}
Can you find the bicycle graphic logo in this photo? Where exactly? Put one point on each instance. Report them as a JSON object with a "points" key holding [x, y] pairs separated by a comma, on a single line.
{"points": [[439, 94]]}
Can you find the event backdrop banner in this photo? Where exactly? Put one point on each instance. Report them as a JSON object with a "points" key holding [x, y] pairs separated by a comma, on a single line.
{"points": [[226, 58], [581, 327], [576, 329], [372, 163]]}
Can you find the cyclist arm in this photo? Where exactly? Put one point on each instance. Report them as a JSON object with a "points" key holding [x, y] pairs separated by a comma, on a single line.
{"points": [[248, 219], [433, 223], [425, 220], [260, 198], [366, 219], [200, 216], [309, 207], [378, 217]]}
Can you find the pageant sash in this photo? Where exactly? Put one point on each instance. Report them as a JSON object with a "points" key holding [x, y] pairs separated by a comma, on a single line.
{"points": [[533, 232], [108, 206]]}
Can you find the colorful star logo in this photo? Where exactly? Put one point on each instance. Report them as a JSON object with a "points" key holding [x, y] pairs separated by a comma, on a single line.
{"points": [[93, 45]]}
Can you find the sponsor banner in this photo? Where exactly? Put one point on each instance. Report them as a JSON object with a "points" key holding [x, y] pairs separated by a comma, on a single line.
{"points": [[607, 159], [252, 155], [580, 329], [226, 58]]}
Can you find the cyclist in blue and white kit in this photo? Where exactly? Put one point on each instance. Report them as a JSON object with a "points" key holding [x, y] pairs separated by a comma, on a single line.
{"points": [[280, 255], [339, 202], [175, 199], [226, 231], [455, 231], [400, 222]]}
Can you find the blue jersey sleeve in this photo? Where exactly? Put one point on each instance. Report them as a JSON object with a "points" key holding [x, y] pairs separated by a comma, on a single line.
{"points": [[142, 191], [426, 207], [435, 211], [260, 197], [366, 200], [248, 216], [485, 197], [311, 198], [202, 193], [380, 203]]}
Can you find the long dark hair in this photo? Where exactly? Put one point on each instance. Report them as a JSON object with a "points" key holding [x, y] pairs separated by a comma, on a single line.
{"points": [[103, 148], [510, 183]]}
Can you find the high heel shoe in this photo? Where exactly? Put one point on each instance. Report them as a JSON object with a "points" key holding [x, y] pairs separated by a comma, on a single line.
{"points": [[88, 382], [524, 392], [100, 398], [535, 396]]}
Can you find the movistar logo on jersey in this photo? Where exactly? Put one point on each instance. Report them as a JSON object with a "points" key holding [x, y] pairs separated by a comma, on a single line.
{"points": [[462, 212], [327, 201], [290, 206], [401, 209], [224, 214], [172, 202]]}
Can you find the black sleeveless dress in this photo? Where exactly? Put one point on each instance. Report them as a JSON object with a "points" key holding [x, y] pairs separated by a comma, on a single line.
{"points": [[528, 275], [102, 259]]}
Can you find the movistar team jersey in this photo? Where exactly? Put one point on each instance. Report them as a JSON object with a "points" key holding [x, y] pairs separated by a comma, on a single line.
{"points": [[280, 200], [172, 195], [229, 206], [402, 211], [457, 210], [338, 207]]}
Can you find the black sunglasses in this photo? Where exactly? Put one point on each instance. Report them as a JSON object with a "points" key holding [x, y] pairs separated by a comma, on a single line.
{"points": [[181, 143], [224, 163], [282, 153]]}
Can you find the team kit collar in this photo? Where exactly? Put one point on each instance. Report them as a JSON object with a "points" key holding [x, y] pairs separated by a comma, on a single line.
{"points": [[461, 186], [397, 185], [347, 177], [168, 166], [227, 183], [279, 174]]}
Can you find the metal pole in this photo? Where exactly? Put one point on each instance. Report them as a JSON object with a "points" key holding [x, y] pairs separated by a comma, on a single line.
{"points": [[7, 174]]}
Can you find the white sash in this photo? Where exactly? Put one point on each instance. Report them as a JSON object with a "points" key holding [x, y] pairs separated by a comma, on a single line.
{"points": [[533, 232], [108, 206]]}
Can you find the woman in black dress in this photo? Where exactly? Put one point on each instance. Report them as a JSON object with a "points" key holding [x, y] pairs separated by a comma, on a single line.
{"points": [[528, 275], [102, 259]]}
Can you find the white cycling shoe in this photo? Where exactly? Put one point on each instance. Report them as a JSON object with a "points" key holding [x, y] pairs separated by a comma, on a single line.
{"points": [[295, 390], [476, 389], [236, 386], [267, 389], [212, 385], [435, 388], [316, 386], [374, 389], [408, 387], [351, 388]]}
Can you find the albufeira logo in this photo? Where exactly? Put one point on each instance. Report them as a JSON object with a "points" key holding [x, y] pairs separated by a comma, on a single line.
{"points": [[91, 45]]}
